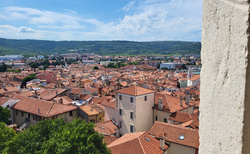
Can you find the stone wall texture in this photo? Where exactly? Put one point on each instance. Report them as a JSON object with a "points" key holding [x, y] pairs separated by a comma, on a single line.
{"points": [[225, 81]]}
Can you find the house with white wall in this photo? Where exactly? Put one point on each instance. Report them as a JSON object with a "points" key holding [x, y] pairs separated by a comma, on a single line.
{"points": [[134, 107]]}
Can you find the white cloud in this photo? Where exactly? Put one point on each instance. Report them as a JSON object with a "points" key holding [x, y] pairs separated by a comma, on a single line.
{"points": [[128, 6], [143, 20], [25, 29]]}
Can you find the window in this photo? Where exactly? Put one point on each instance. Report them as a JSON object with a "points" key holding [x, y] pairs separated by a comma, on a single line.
{"points": [[145, 98], [34, 118], [132, 115], [120, 123], [120, 97], [156, 118], [22, 114], [16, 112], [120, 111], [131, 99], [8, 106], [131, 129], [100, 118], [70, 113], [165, 120]]}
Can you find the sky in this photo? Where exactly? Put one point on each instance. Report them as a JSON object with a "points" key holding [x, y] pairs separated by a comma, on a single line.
{"points": [[83, 20]]}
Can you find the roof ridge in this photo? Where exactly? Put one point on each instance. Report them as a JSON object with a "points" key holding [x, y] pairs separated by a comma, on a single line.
{"points": [[50, 108], [127, 140], [176, 126], [167, 101], [141, 143]]}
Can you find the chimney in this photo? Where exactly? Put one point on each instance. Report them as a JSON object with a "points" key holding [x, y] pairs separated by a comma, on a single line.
{"points": [[99, 102], [39, 111], [108, 99], [162, 141], [160, 103], [181, 101]]}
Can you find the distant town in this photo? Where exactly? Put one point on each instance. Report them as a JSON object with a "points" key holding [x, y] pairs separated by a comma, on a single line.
{"points": [[143, 104]]}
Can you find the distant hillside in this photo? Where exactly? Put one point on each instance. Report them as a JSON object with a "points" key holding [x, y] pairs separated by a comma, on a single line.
{"points": [[35, 47]]}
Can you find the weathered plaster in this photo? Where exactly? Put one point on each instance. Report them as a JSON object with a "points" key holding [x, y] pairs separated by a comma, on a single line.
{"points": [[224, 108]]}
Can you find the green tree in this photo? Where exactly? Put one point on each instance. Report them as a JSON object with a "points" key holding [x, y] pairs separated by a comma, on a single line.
{"points": [[45, 67], [3, 68], [46, 62], [57, 136], [6, 134], [34, 65], [158, 65], [4, 114], [28, 78], [96, 68]]}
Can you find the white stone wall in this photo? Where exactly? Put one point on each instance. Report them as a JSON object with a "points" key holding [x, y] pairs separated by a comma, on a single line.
{"points": [[224, 107]]}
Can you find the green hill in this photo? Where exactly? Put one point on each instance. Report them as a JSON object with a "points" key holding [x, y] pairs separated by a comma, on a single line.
{"points": [[35, 47]]}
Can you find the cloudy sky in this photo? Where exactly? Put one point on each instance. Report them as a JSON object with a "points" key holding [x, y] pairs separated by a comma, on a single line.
{"points": [[136, 20]]}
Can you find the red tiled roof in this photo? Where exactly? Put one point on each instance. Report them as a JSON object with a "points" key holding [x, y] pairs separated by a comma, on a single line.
{"points": [[3, 100], [135, 91], [134, 143], [184, 117], [46, 108], [196, 77], [173, 132], [170, 103], [48, 94], [106, 127], [110, 104], [109, 139]]}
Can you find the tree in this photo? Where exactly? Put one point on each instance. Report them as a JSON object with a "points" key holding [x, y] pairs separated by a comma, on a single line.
{"points": [[34, 65], [158, 65], [28, 78], [46, 62], [57, 136], [3, 68], [184, 66], [6, 134], [4, 114], [45, 67], [96, 68]]}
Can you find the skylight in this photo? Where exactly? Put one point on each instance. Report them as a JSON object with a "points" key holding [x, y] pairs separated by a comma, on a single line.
{"points": [[147, 139], [181, 137]]}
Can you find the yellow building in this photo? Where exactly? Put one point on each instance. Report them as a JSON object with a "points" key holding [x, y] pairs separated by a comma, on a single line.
{"points": [[92, 113]]}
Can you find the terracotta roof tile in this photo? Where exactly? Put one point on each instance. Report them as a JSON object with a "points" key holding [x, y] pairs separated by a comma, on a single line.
{"points": [[48, 94], [106, 127], [91, 109], [135, 91], [45, 108], [173, 132], [170, 103], [3, 100], [134, 143], [109, 139]]}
